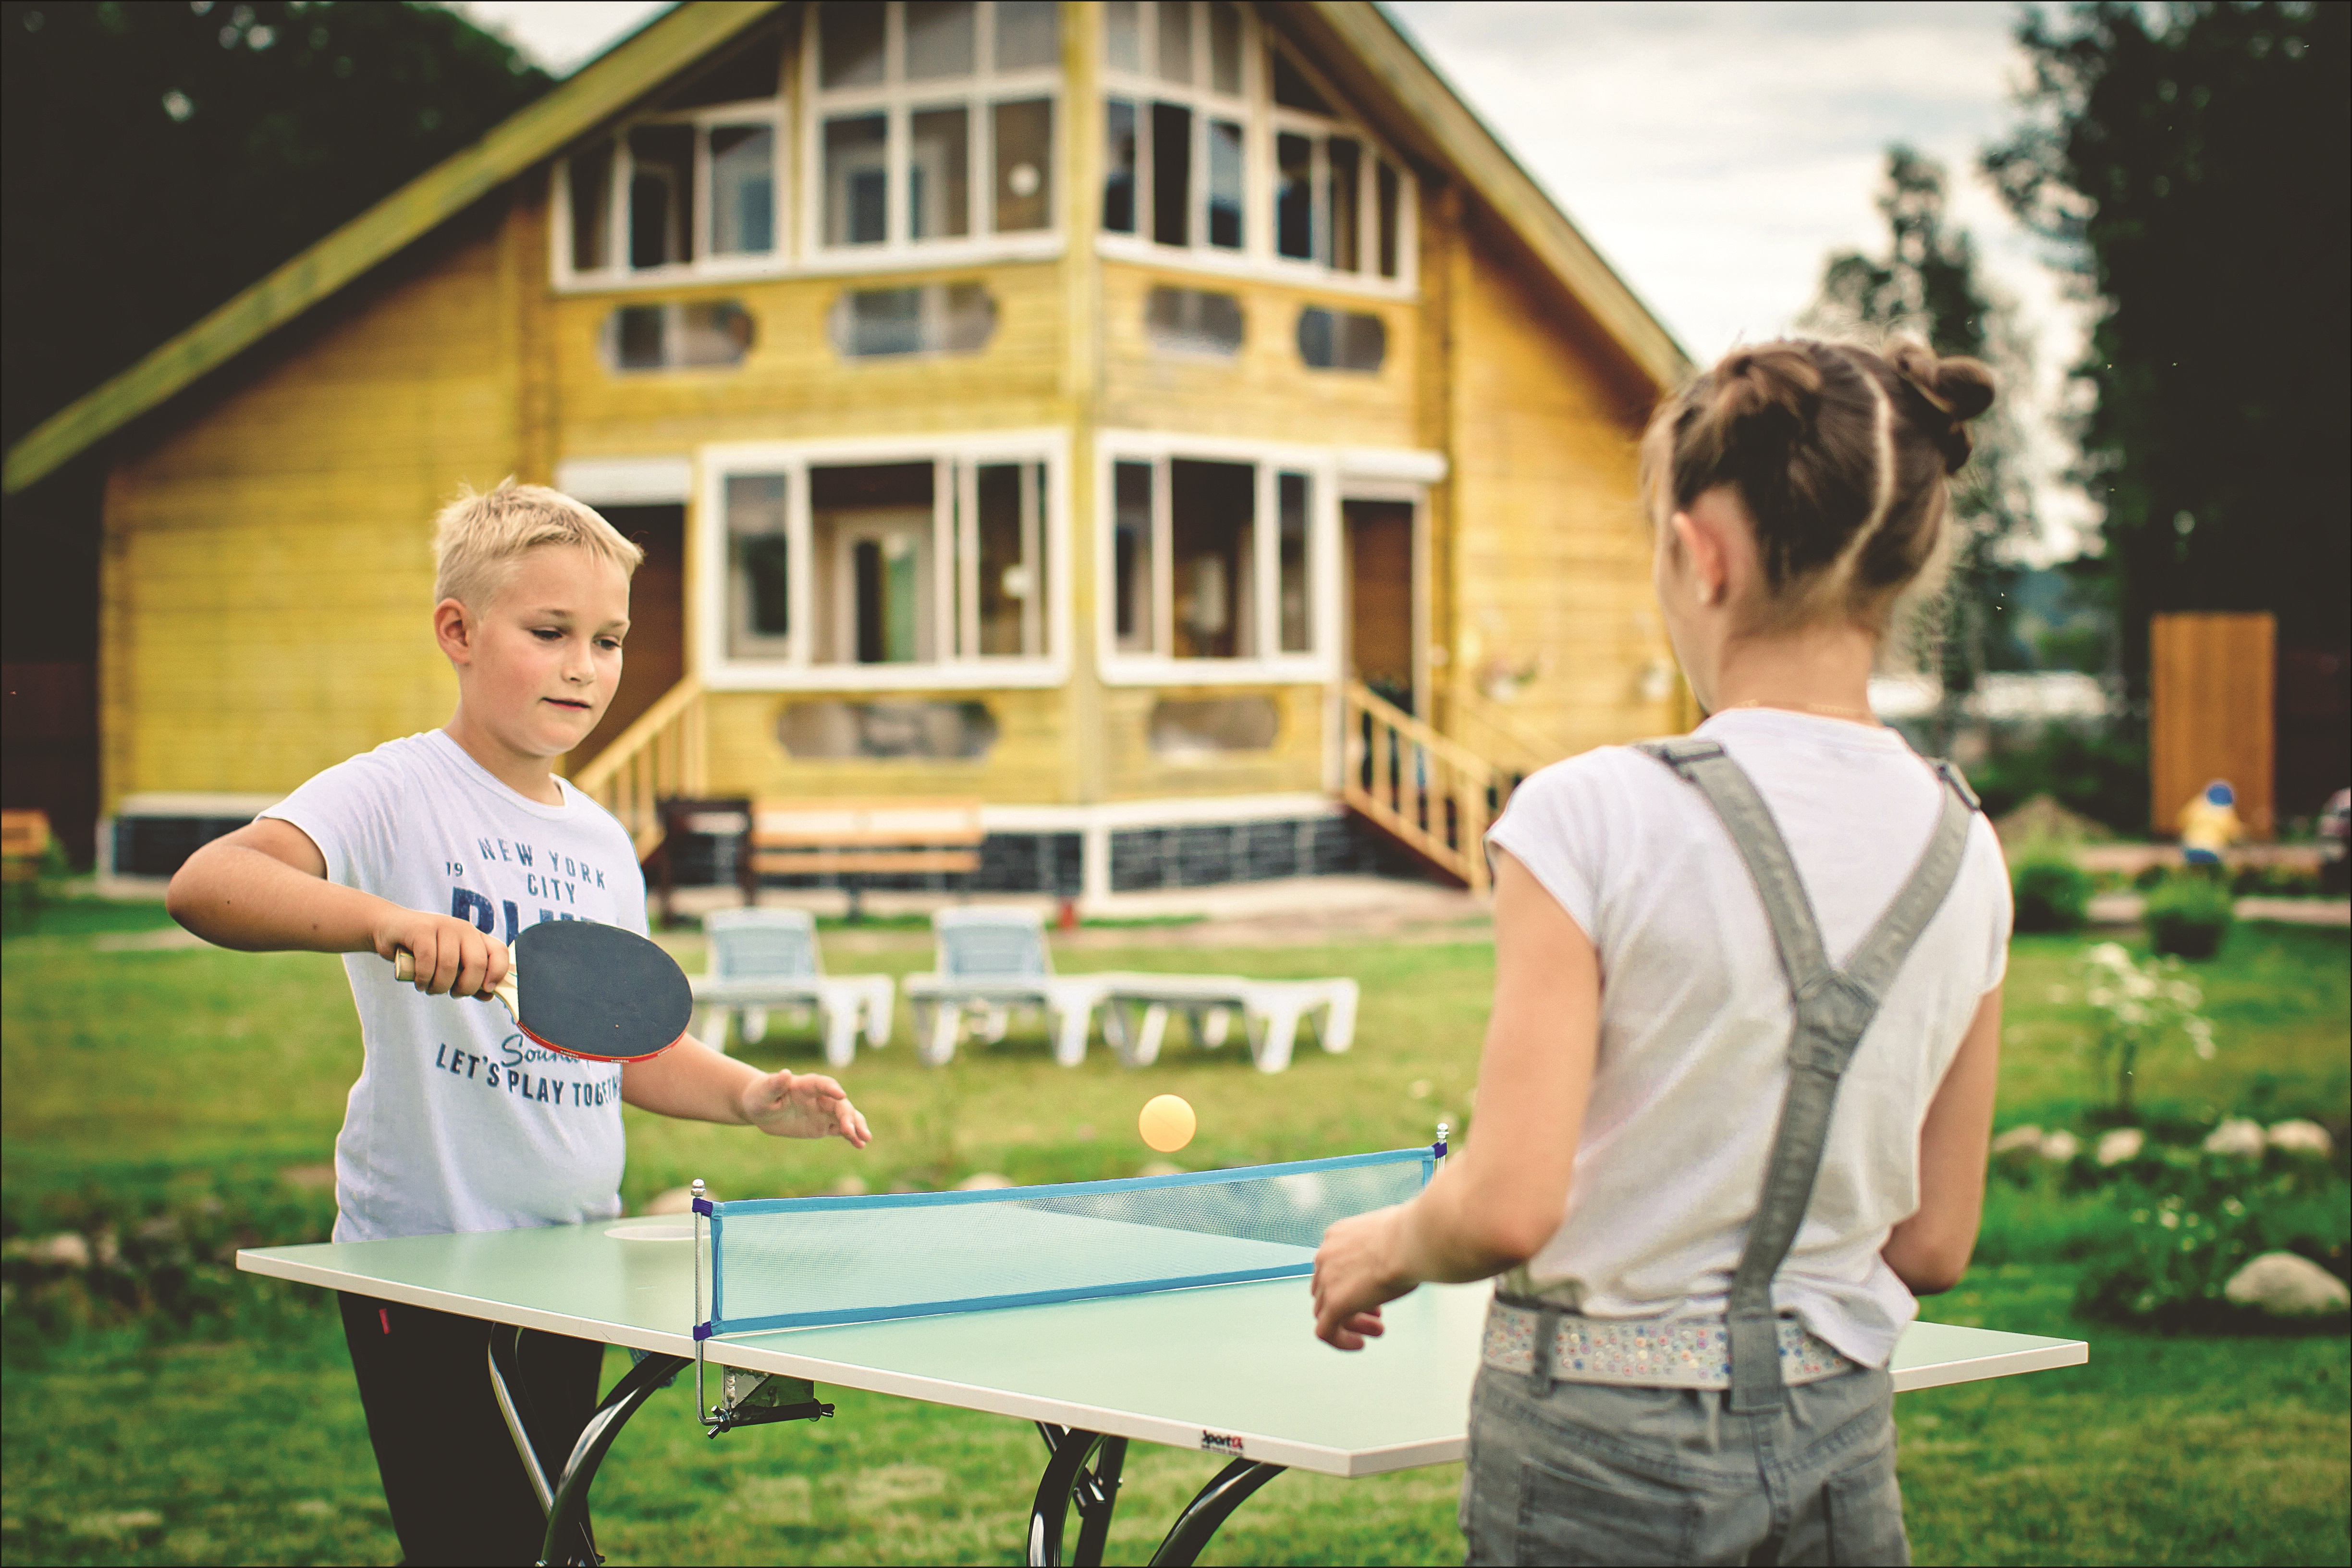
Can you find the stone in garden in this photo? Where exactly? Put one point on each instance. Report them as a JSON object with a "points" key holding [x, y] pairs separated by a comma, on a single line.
{"points": [[851, 1186], [2060, 1146], [2300, 1137], [677, 1200], [66, 1250], [2236, 1136], [2288, 1285], [982, 1182], [2028, 1137], [2121, 1144]]}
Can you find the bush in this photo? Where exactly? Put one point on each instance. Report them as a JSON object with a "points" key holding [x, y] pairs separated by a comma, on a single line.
{"points": [[2190, 916], [2098, 772], [2052, 893], [2179, 1225]]}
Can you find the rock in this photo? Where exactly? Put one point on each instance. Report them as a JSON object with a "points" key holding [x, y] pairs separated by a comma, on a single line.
{"points": [[66, 1250], [982, 1182], [2043, 817], [2288, 1285], [2300, 1137], [2027, 1138], [2236, 1136], [2121, 1144], [1161, 1168], [317, 1178], [2060, 1146], [677, 1200], [851, 1186]]}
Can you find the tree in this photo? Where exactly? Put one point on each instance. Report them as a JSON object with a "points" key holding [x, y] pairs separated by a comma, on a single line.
{"points": [[1927, 287], [2188, 163], [161, 157]]}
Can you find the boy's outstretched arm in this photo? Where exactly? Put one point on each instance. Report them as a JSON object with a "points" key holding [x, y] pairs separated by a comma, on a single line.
{"points": [[264, 888], [692, 1081]]}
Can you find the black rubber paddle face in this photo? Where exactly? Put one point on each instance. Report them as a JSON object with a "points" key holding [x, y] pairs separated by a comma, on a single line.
{"points": [[599, 991]]}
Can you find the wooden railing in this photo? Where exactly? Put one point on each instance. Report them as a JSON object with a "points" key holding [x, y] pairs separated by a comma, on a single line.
{"points": [[1471, 718], [666, 753], [1433, 794]]}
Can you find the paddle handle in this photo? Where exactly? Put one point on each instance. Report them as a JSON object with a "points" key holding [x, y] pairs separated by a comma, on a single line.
{"points": [[404, 969]]}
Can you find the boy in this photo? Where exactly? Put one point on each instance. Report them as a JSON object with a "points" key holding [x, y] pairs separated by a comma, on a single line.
{"points": [[454, 1125]]}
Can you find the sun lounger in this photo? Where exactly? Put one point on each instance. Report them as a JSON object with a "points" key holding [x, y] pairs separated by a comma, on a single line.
{"points": [[1136, 1007], [768, 958], [991, 963]]}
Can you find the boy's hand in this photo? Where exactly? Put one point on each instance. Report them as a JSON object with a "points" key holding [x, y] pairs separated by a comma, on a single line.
{"points": [[803, 1105], [452, 957]]}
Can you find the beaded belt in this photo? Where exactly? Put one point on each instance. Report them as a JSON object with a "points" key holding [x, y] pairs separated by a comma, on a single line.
{"points": [[1683, 1352]]}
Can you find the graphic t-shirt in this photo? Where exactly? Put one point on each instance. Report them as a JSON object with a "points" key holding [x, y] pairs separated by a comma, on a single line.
{"points": [[459, 1123], [1695, 1013]]}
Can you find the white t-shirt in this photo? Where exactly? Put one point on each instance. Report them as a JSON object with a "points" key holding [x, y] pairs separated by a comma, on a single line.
{"points": [[1696, 1015], [459, 1123]]}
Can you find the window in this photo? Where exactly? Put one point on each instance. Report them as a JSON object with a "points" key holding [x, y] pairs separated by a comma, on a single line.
{"points": [[1177, 133], [868, 570], [1342, 340], [1214, 557], [1193, 322], [670, 337], [1237, 163], [688, 188], [934, 121], [937, 318]]}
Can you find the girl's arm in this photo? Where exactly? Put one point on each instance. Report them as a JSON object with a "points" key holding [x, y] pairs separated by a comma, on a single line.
{"points": [[694, 1083], [1930, 1251], [1500, 1199]]}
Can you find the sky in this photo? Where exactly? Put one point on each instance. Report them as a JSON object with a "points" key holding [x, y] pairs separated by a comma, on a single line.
{"points": [[1714, 152]]}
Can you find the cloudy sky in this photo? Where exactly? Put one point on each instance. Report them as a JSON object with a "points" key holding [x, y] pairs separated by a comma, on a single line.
{"points": [[1716, 152]]}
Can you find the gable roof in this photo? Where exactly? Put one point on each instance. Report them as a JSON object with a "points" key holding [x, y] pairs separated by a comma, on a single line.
{"points": [[1451, 133]]}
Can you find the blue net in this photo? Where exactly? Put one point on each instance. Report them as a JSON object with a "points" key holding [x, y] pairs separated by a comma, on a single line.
{"points": [[792, 1263]]}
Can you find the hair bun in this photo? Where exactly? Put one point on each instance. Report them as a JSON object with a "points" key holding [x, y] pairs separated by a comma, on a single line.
{"points": [[1958, 388], [1763, 397]]}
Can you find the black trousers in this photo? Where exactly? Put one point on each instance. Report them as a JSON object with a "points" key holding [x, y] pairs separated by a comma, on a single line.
{"points": [[458, 1489]]}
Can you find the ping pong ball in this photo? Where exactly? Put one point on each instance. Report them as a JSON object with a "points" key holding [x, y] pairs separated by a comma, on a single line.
{"points": [[1166, 1123]]}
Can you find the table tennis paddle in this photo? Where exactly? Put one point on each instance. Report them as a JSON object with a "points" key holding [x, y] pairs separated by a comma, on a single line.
{"points": [[596, 991]]}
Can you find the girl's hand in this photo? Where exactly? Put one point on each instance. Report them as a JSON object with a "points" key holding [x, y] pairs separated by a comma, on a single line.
{"points": [[1358, 1268], [451, 956], [803, 1105]]}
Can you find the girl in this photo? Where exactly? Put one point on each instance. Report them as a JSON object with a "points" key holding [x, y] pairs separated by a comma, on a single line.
{"points": [[1733, 1112]]}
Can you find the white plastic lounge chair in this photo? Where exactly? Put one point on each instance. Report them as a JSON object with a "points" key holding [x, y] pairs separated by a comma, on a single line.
{"points": [[768, 958], [1136, 1006], [991, 961]]}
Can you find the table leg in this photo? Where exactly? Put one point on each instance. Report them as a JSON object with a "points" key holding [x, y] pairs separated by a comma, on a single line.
{"points": [[1209, 1509], [570, 1539], [1068, 1479]]}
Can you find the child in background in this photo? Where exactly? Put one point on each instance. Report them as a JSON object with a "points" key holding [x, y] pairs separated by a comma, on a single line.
{"points": [[456, 1122], [2209, 824], [1738, 1087]]}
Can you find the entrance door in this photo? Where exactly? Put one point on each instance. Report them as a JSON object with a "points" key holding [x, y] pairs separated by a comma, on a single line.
{"points": [[656, 651], [1380, 597]]}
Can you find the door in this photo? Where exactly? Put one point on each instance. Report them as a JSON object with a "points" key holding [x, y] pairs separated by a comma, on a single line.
{"points": [[1380, 597], [654, 656]]}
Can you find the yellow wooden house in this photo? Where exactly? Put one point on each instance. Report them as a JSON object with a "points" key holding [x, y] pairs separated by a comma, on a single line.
{"points": [[1180, 426]]}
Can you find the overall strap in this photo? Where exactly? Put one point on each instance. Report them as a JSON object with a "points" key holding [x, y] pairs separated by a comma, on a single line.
{"points": [[1832, 1010]]}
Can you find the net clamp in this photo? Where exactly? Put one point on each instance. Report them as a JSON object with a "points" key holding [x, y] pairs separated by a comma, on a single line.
{"points": [[756, 1398]]}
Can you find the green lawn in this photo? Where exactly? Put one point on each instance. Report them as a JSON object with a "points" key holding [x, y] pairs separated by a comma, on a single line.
{"points": [[136, 1077]]}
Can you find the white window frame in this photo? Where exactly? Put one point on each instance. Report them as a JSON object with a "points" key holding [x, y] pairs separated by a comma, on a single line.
{"points": [[1262, 118], [1322, 467], [772, 112], [954, 592], [897, 100]]}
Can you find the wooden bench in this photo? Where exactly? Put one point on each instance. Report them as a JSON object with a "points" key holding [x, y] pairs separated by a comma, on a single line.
{"points": [[24, 851], [854, 839]]}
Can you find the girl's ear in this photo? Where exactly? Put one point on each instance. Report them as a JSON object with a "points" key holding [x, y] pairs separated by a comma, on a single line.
{"points": [[1703, 546]]}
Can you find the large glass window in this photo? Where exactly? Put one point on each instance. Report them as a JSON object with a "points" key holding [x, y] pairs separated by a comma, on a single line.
{"points": [[686, 187], [1204, 153], [936, 121], [1212, 559], [918, 561]]}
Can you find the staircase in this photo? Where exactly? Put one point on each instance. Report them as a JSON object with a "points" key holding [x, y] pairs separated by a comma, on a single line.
{"points": [[1433, 793], [664, 754]]}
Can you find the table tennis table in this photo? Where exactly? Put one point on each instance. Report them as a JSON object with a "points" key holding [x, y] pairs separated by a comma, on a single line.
{"points": [[1230, 1368]]}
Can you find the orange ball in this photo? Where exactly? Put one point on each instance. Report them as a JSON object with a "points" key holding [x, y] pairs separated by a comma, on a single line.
{"points": [[1166, 1123]]}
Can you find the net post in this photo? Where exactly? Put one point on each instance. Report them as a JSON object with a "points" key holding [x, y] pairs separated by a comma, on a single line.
{"points": [[1438, 1149], [701, 1209]]}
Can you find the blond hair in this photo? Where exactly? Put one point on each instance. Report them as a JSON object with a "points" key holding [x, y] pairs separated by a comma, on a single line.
{"points": [[477, 540]]}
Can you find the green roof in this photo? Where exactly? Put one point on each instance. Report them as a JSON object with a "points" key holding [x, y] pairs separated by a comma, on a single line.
{"points": [[1448, 129]]}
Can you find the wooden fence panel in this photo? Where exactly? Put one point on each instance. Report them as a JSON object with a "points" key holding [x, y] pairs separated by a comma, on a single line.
{"points": [[2209, 714]]}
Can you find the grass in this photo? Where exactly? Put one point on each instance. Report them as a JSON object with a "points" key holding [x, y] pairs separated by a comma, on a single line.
{"points": [[151, 1070]]}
